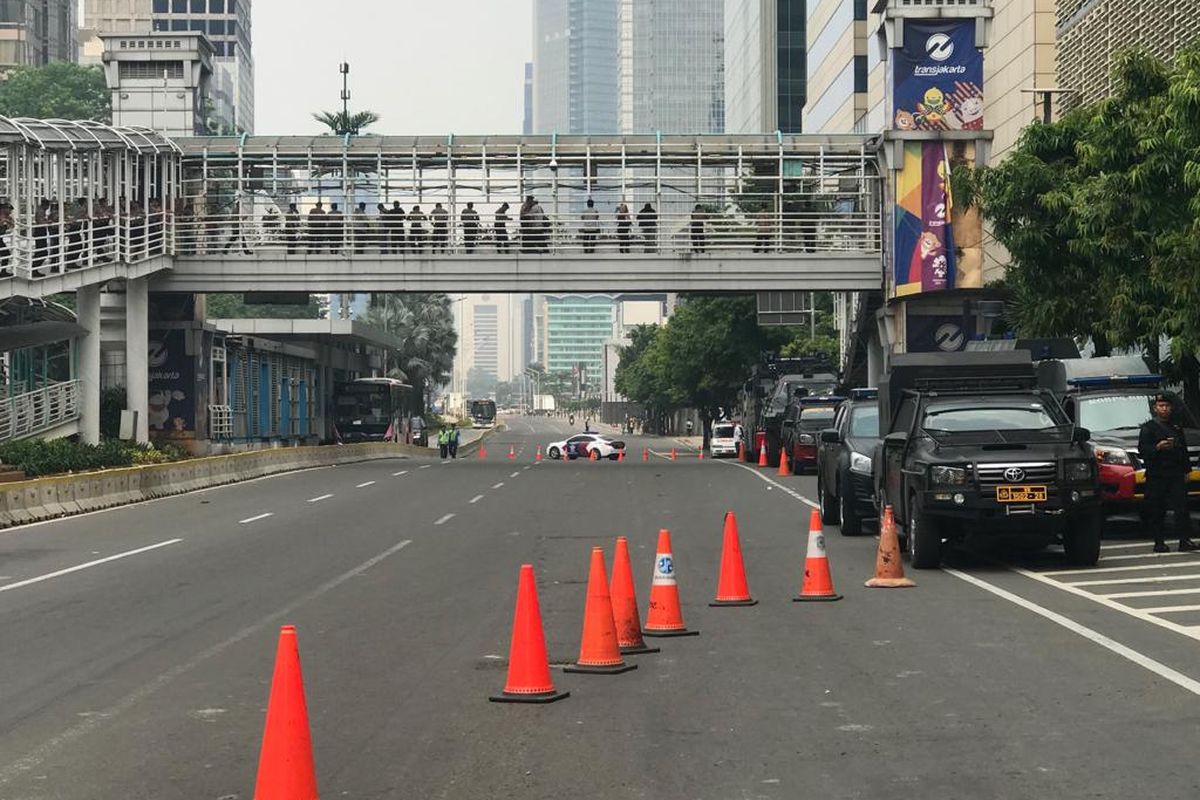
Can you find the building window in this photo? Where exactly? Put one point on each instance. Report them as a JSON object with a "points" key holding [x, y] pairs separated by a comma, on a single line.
{"points": [[232, 6], [860, 9], [216, 6], [179, 24], [860, 74], [216, 26], [196, 25], [160, 24], [160, 6], [178, 6], [231, 28], [198, 6]]}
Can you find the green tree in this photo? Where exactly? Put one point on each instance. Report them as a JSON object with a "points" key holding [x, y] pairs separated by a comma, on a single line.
{"points": [[232, 306], [425, 326], [342, 123], [60, 90]]}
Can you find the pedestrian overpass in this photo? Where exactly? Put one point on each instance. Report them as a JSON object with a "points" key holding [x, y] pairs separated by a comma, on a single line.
{"points": [[88, 205]]}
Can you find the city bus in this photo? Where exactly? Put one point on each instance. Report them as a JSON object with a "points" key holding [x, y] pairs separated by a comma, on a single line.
{"points": [[483, 413], [369, 409]]}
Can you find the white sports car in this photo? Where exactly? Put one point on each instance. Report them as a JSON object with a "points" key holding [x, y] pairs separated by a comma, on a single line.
{"points": [[581, 445]]}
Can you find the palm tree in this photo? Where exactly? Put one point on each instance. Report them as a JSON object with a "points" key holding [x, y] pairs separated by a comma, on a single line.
{"points": [[424, 324], [343, 122]]}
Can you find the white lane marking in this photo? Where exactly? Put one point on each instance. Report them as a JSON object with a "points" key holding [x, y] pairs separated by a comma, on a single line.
{"points": [[515, 474], [1123, 546], [248, 520], [427, 466], [1108, 602], [365, 484], [58, 573], [1115, 557], [1154, 593], [498, 485], [526, 467], [1132, 568], [46, 750], [1142, 660], [398, 474], [776, 484], [476, 499], [444, 519], [1169, 609], [1121, 581], [319, 498]]}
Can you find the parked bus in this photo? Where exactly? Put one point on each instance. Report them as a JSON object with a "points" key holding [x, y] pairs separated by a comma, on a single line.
{"points": [[369, 409], [483, 413]]}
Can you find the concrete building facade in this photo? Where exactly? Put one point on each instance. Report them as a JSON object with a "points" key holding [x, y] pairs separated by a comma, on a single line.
{"points": [[765, 65], [577, 327], [493, 337], [837, 35], [575, 66], [161, 81], [37, 32]]}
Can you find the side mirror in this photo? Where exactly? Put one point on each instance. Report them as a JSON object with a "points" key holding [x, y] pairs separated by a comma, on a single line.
{"points": [[830, 436], [1080, 435], [897, 439]]}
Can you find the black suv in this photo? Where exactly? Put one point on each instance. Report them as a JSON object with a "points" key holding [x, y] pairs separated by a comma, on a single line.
{"points": [[972, 446], [800, 431], [845, 488]]}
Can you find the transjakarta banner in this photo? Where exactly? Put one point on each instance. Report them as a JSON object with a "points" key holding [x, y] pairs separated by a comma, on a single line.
{"points": [[937, 84], [924, 239]]}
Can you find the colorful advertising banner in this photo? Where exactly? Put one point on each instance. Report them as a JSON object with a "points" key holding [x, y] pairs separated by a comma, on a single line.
{"points": [[924, 239], [937, 81], [172, 384]]}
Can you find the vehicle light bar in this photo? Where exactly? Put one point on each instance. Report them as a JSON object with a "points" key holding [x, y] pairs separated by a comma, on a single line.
{"points": [[821, 400], [1116, 380], [864, 394]]}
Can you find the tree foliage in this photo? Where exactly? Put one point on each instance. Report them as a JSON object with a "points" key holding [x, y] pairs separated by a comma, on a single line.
{"points": [[59, 90], [232, 306], [1101, 214], [342, 123], [425, 326]]}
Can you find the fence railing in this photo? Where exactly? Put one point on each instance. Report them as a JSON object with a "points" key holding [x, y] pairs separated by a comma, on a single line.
{"points": [[32, 412], [32, 249], [413, 235]]}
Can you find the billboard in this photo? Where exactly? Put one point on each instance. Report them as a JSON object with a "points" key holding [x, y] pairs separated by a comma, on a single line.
{"points": [[172, 409], [937, 79], [924, 257]]}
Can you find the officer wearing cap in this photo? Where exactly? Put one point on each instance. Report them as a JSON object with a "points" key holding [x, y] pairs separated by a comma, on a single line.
{"points": [[1164, 451]]}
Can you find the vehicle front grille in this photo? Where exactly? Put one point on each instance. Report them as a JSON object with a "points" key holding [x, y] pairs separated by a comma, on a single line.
{"points": [[1035, 472]]}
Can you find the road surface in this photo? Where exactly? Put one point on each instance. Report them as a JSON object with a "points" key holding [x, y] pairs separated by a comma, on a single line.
{"points": [[138, 646]]}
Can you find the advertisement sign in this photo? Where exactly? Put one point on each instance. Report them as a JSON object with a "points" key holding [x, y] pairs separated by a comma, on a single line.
{"points": [[924, 258], [937, 80], [172, 383], [942, 333]]}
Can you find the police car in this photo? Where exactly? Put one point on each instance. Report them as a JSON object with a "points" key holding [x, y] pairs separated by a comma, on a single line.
{"points": [[582, 445]]}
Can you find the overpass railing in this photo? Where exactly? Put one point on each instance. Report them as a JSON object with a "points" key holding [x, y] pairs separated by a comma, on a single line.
{"points": [[41, 249], [410, 235], [42, 409]]}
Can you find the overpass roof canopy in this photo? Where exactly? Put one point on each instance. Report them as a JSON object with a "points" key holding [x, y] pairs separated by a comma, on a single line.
{"points": [[82, 135]]}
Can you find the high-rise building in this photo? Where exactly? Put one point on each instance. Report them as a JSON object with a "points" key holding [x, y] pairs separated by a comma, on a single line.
{"points": [[36, 32], [765, 65], [1091, 32], [575, 66], [672, 66], [576, 328], [226, 23], [836, 34], [492, 337], [527, 121]]}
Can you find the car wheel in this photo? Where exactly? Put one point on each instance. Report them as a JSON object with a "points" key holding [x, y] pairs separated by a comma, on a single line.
{"points": [[851, 521], [829, 509], [924, 539], [1081, 539], [554, 453]]}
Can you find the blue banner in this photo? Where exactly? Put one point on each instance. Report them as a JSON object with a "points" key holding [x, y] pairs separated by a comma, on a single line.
{"points": [[938, 77]]}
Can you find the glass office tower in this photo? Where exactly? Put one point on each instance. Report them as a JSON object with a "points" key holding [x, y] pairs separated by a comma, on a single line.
{"points": [[575, 66]]}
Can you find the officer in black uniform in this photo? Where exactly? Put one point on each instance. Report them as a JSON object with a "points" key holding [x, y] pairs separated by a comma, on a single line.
{"points": [[1164, 452]]}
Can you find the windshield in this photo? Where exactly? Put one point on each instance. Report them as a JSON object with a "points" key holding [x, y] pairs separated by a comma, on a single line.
{"points": [[815, 418], [365, 404], [722, 432], [864, 421], [483, 409], [1118, 412], [989, 418]]}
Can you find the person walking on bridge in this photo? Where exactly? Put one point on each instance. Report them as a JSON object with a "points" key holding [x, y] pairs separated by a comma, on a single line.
{"points": [[624, 227], [416, 230], [441, 228], [648, 225], [470, 227], [393, 224], [1164, 450], [291, 227], [316, 228], [500, 228]]}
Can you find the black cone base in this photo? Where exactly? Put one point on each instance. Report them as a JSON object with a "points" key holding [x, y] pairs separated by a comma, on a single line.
{"points": [[664, 634], [506, 697], [638, 650], [822, 598], [719, 603], [615, 669]]}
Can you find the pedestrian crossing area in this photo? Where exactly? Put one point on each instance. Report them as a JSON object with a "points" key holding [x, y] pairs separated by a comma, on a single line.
{"points": [[1160, 588]]}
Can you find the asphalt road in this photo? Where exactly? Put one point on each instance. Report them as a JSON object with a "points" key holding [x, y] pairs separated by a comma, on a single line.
{"points": [[146, 675]]}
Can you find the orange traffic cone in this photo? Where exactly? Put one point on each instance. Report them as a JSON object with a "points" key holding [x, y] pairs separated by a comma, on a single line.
{"points": [[512, 452], [818, 583], [889, 571], [741, 453], [672, 453], [762, 456], [645, 454], [620, 456], [538, 455], [731, 583], [664, 617], [285, 764], [528, 666], [482, 451], [624, 602], [593, 454], [783, 463], [701, 454], [599, 652]]}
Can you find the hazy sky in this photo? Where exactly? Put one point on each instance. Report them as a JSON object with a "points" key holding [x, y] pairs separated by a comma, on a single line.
{"points": [[428, 66]]}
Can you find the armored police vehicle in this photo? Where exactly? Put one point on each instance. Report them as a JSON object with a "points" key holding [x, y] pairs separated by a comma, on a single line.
{"points": [[972, 446]]}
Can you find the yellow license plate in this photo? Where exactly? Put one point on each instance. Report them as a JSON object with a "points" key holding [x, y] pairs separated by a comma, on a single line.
{"points": [[1020, 494]]}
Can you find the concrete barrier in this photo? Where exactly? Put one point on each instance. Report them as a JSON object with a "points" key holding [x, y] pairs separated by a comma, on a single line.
{"points": [[62, 495]]}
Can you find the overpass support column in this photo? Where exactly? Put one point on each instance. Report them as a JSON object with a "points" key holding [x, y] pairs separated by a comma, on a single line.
{"points": [[87, 302], [875, 365], [137, 353]]}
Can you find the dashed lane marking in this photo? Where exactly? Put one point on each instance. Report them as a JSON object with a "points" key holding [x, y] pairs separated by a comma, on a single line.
{"points": [[427, 466], [515, 474], [444, 519], [398, 474], [8, 587], [365, 484], [498, 485], [319, 498], [248, 520], [475, 499]]}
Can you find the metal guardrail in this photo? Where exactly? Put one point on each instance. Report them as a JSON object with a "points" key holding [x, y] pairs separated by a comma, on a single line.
{"points": [[35, 250], [32, 412]]}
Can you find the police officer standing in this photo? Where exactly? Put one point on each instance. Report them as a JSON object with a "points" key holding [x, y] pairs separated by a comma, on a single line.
{"points": [[1164, 451]]}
